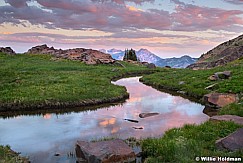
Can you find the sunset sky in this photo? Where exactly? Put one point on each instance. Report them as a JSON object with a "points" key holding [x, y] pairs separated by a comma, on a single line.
{"points": [[167, 28]]}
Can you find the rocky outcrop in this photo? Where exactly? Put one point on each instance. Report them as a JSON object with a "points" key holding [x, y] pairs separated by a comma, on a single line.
{"points": [[145, 115], [220, 55], [232, 142], [112, 151], [219, 99], [7, 50], [87, 56], [234, 118]]}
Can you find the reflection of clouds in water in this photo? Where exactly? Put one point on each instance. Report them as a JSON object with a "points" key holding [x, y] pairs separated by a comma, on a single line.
{"points": [[107, 122], [47, 116], [34, 135]]}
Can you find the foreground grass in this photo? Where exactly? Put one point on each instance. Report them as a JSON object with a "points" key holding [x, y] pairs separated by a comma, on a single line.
{"points": [[191, 141], [9, 156], [38, 80], [186, 143], [194, 82]]}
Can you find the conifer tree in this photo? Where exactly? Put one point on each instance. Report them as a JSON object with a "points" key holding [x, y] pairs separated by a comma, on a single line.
{"points": [[130, 55]]}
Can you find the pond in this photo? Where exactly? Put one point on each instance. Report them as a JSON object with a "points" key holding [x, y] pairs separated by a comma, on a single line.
{"points": [[41, 136]]}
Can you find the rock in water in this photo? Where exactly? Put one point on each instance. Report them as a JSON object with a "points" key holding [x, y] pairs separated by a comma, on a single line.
{"points": [[138, 128], [219, 99], [112, 151], [232, 142], [145, 115], [131, 120]]}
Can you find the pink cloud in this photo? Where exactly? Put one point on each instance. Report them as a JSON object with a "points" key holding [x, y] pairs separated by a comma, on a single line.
{"points": [[124, 1], [17, 3], [191, 17], [79, 15]]}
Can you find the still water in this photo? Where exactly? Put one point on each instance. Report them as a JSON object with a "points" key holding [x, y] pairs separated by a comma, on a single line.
{"points": [[41, 136]]}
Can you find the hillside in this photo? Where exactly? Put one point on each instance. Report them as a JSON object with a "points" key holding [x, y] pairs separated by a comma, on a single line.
{"points": [[145, 55], [220, 55]]}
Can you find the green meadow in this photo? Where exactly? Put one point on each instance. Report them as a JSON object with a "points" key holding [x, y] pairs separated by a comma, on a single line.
{"points": [[36, 81], [29, 81]]}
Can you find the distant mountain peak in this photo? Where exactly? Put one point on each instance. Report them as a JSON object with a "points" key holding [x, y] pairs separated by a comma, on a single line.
{"points": [[145, 55], [144, 50]]}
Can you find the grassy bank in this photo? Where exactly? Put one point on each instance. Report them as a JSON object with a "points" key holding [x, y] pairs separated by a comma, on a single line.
{"points": [[186, 143], [191, 141], [38, 81], [193, 83], [9, 156], [232, 109]]}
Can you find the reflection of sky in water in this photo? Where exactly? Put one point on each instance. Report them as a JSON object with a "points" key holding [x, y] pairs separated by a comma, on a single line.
{"points": [[42, 136]]}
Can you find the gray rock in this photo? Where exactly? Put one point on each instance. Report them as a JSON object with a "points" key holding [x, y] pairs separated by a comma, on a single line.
{"points": [[112, 151], [181, 82], [211, 86], [7, 50], [213, 78], [223, 75], [181, 92], [151, 66], [236, 119], [145, 115], [232, 142], [119, 64]]}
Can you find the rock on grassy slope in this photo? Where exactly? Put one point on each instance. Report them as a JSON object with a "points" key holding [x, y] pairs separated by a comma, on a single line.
{"points": [[87, 56], [220, 55]]}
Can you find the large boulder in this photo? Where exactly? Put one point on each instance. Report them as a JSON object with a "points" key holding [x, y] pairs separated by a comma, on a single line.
{"points": [[219, 99], [112, 151], [145, 115], [151, 66], [234, 118], [87, 56], [232, 142], [7, 50]]}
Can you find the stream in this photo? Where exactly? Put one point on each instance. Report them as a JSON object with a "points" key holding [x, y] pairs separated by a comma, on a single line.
{"points": [[42, 136]]}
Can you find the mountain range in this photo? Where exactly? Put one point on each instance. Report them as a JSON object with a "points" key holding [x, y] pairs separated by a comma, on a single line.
{"points": [[145, 55]]}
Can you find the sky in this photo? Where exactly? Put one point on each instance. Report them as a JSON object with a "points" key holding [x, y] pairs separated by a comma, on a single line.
{"points": [[168, 28]]}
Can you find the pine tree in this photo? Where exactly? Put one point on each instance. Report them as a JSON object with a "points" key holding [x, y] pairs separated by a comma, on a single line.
{"points": [[130, 55]]}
